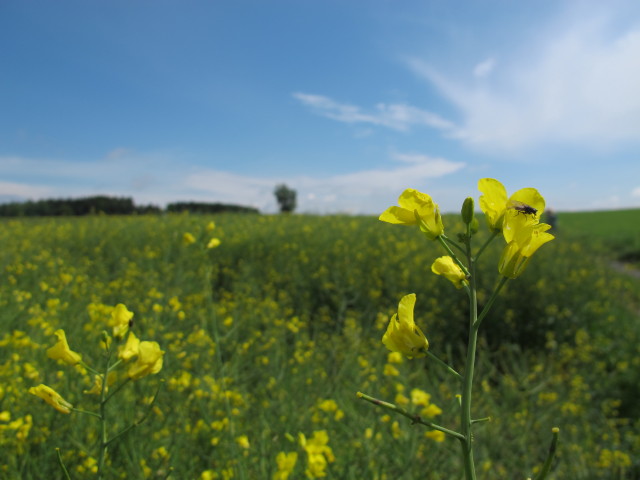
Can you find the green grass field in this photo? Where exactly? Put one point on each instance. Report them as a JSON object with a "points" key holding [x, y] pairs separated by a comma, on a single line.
{"points": [[270, 335]]}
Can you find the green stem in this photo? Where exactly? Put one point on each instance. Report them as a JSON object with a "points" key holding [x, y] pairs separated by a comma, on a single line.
{"points": [[139, 422], [116, 390], [550, 455], [486, 244], [89, 368], [62, 466], [443, 364], [465, 411], [413, 417], [103, 421], [452, 242], [86, 412], [446, 246], [494, 295]]}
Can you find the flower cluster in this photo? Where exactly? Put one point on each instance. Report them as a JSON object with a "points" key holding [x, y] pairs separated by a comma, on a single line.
{"points": [[140, 358], [518, 217]]}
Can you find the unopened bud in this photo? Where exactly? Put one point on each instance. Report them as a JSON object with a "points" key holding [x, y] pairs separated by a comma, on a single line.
{"points": [[467, 210]]}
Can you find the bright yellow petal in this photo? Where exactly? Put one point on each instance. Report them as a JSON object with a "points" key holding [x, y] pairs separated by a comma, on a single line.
{"points": [[398, 216], [493, 201], [405, 309], [530, 197], [61, 350]]}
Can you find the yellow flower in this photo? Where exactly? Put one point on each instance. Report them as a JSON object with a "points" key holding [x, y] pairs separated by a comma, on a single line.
{"points": [[210, 226], [61, 350], [213, 243], [495, 204], [52, 397], [449, 269], [243, 441], [523, 240], [402, 334], [121, 321], [286, 463], [149, 360], [188, 238], [416, 208], [130, 349], [96, 388], [435, 435], [319, 453]]}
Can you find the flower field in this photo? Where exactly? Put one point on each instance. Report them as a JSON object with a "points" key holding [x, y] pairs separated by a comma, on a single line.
{"points": [[269, 325]]}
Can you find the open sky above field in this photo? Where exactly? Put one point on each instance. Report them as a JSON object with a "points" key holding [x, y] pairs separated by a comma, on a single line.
{"points": [[348, 102]]}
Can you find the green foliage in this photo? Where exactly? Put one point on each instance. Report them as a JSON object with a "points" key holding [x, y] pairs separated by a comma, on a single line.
{"points": [[288, 312], [286, 198]]}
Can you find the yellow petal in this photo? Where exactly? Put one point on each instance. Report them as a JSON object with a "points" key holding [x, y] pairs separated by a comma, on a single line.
{"points": [[61, 350], [493, 202]]}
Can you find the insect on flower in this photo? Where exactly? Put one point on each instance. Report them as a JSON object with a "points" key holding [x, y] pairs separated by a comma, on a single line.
{"points": [[523, 208]]}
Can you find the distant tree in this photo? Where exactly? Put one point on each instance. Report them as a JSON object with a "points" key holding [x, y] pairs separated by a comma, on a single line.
{"points": [[286, 198]]}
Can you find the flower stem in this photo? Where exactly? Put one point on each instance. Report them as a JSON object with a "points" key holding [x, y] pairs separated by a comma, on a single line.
{"points": [[414, 418], [62, 466], [103, 421], [486, 244], [443, 364], [446, 246], [467, 385], [550, 455], [494, 295]]}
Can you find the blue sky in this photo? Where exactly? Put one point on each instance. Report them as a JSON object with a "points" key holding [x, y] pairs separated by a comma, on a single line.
{"points": [[347, 101]]}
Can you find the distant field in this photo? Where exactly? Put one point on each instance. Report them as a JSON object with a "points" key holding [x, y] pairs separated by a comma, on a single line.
{"points": [[271, 334], [617, 230]]}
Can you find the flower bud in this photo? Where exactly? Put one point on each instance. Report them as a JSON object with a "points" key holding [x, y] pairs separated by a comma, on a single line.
{"points": [[467, 210]]}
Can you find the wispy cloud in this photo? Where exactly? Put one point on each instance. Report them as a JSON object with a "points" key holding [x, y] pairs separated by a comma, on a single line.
{"points": [[14, 191], [579, 85], [397, 116], [484, 68], [364, 191]]}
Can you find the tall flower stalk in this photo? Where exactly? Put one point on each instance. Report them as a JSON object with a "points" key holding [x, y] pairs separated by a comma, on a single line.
{"points": [[122, 362], [517, 218]]}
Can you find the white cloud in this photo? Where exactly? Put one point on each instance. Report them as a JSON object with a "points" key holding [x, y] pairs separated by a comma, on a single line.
{"points": [[20, 191], [365, 191], [358, 192], [397, 116], [636, 192], [578, 85], [484, 68]]}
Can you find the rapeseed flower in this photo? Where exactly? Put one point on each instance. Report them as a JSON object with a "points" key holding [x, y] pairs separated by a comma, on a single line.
{"points": [[449, 269], [402, 334], [319, 453], [188, 238], [61, 350], [121, 321], [213, 243], [149, 360], [523, 240], [286, 463], [52, 397], [416, 208], [130, 348], [243, 442], [495, 203]]}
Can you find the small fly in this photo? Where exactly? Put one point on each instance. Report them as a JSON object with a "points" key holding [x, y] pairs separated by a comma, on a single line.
{"points": [[523, 208]]}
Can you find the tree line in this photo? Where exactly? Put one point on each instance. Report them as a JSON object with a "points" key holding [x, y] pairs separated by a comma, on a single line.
{"points": [[102, 204]]}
